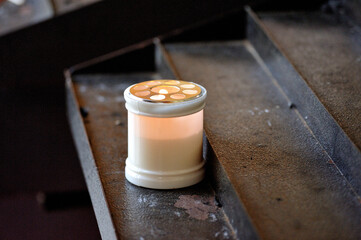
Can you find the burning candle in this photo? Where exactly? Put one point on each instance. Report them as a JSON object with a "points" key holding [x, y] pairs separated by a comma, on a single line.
{"points": [[165, 131]]}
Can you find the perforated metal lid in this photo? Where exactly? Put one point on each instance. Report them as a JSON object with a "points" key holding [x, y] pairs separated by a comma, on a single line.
{"points": [[165, 98]]}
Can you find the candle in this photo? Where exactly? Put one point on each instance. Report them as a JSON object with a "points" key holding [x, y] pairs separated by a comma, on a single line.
{"points": [[165, 130]]}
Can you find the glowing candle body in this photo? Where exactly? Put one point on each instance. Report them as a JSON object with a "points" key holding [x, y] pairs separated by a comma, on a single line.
{"points": [[165, 147]]}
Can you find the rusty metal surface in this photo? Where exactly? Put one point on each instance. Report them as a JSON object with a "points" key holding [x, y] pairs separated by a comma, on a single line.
{"points": [[123, 210], [315, 57], [327, 53], [287, 182]]}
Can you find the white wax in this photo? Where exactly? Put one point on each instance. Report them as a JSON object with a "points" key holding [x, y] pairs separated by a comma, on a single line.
{"points": [[169, 146], [165, 144], [166, 155]]}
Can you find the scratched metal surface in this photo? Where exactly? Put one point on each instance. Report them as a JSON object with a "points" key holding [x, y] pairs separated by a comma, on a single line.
{"points": [[327, 52], [288, 184], [135, 213], [316, 58]]}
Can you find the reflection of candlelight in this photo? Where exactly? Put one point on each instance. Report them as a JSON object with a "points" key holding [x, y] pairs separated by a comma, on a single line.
{"points": [[166, 90], [157, 97], [165, 140], [163, 91]]}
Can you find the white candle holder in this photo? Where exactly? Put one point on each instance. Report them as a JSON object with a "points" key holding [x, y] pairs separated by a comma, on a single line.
{"points": [[165, 131]]}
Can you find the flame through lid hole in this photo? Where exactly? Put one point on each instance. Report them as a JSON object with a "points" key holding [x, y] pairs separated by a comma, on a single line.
{"points": [[166, 91]]}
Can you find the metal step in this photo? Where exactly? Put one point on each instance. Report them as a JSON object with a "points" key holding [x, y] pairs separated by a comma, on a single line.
{"points": [[289, 185], [316, 59], [123, 210], [269, 175]]}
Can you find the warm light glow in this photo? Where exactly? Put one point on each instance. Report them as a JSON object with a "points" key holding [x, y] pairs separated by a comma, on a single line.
{"points": [[157, 97], [177, 140], [163, 91], [165, 133], [166, 128], [172, 90], [190, 91]]}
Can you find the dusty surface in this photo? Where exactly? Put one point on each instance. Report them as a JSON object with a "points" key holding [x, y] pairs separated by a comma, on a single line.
{"points": [[137, 213], [327, 52], [287, 182]]}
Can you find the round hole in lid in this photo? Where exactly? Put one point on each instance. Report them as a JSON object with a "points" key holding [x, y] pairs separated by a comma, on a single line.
{"points": [[140, 87], [188, 86], [164, 89], [152, 83], [178, 96], [172, 82], [142, 93], [157, 97], [190, 91]]}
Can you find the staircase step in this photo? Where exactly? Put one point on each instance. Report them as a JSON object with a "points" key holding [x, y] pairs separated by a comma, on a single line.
{"points": [[125, 211], [289, 185], [316, 59], [270, 171]]}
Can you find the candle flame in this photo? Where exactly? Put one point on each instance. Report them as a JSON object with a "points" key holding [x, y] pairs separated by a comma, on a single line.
{"points": [[163, 91]]}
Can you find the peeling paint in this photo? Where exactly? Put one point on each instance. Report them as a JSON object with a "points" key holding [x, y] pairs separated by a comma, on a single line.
{"points": [[196, 206]]}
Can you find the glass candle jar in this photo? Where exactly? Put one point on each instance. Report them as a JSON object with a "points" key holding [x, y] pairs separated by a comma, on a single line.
{"points": [[165, 131]]}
